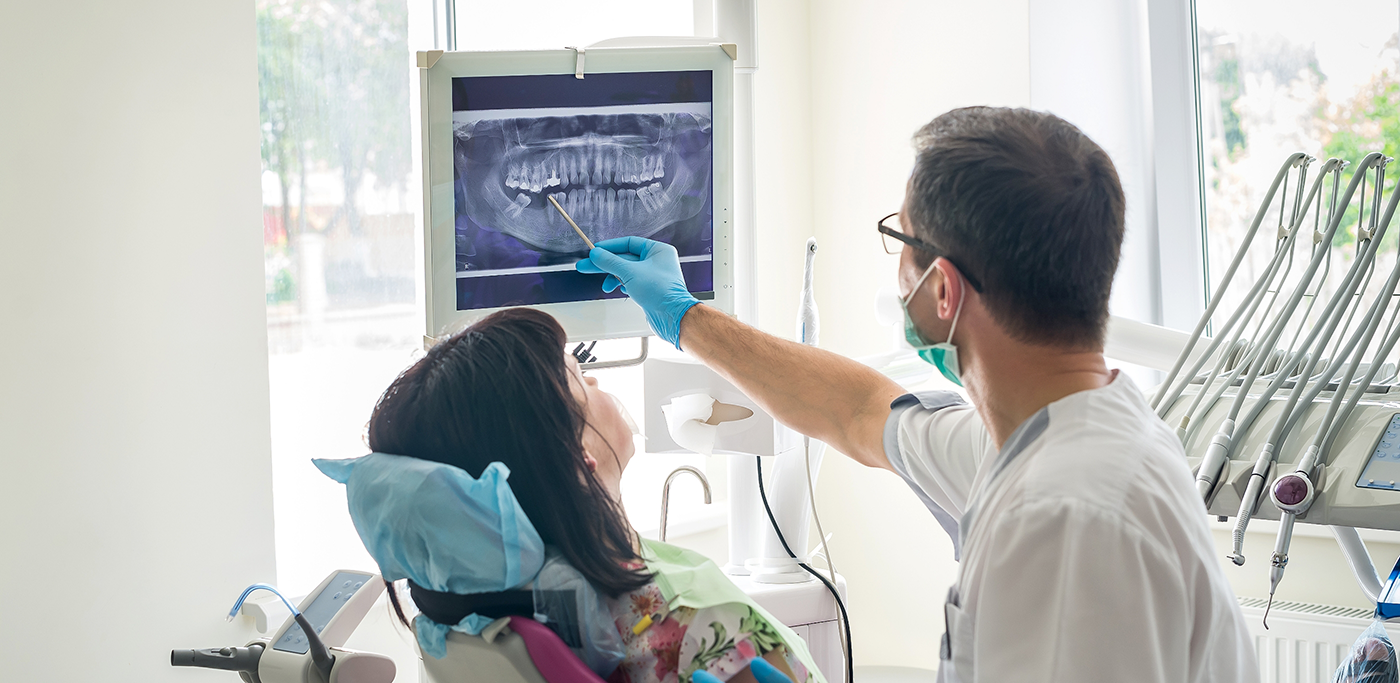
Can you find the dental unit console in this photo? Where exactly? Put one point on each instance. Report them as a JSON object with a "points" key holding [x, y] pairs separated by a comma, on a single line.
{"points": [[1294, 397], [308, 647], [626, 141]]}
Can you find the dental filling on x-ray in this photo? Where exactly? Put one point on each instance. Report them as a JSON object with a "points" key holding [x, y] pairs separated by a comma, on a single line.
{"points": [[625, 154]]}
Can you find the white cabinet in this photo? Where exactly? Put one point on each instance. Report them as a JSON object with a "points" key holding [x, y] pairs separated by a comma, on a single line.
{"points": [[808, 609]]}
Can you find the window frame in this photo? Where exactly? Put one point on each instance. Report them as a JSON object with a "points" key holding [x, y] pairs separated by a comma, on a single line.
{"points": [[1179, 162]]}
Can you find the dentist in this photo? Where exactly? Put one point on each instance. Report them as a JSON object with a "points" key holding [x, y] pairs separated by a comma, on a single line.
{"points": [[1083, 546]]}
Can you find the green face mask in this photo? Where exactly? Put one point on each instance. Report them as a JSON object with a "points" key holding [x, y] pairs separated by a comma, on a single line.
{"points": [[943, 356]]}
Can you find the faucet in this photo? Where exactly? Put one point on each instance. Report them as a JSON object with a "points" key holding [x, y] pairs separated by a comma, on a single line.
{"points": [[666, 492]]}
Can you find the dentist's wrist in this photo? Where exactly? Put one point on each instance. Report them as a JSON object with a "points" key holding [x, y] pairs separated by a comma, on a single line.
{"points": [[692, 321]]}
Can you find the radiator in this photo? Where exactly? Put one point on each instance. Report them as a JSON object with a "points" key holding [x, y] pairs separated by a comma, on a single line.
{"points": [[1305, 643]]}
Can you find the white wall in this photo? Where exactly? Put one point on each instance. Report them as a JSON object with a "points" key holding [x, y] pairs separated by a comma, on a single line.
{"points": [[841, 88], [135, 501], [1317, 570], [1089, 64]]}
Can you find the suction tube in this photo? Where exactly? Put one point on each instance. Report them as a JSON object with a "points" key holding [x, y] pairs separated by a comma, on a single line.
{"points": [[1211, 466], [1355, 348], [1169, 394], [1188, 427], [1292, 162], [243, 659], [1295, 492]]}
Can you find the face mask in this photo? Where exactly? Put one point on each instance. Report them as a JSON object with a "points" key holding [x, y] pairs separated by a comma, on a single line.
{"points": [[943, 356]]}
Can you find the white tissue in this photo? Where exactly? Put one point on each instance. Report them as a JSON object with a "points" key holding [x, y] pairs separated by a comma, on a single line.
{"points": [[685, 419]]}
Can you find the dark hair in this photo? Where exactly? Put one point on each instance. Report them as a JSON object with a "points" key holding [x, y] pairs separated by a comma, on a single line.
{"points": [[500, 391], [1032, 207]]}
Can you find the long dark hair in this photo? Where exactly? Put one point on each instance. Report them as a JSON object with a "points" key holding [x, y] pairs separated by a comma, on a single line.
{"points": [[500, 391]]}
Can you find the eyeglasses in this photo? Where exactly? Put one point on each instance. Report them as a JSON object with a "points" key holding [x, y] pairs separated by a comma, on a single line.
{"points": [[893, 238]]}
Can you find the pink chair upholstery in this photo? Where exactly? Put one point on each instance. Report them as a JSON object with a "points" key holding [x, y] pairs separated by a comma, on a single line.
{"points": [[555, 661]]}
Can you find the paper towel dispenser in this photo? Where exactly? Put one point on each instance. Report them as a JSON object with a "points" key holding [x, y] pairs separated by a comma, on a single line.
{"points": [[667, 379]]}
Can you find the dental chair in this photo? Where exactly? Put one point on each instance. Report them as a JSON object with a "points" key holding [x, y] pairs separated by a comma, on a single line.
{"points": [[470, 557], [510, 650]]}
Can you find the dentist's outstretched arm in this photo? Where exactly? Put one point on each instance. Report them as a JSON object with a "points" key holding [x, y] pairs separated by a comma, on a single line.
{"points": [[821, 394]]}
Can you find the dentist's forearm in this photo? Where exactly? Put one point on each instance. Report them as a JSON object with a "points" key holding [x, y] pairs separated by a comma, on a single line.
{"points": [[826, 396]]}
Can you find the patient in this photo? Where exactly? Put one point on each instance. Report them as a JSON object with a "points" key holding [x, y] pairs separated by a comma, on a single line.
{"points": [[504, 390]]}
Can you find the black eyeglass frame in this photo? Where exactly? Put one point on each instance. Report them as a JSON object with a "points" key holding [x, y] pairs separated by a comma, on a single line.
{"points": [[924, 246]]}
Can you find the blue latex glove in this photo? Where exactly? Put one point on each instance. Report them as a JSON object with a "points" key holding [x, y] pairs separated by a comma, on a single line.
{"points": [[650, 273], [762, 671]]}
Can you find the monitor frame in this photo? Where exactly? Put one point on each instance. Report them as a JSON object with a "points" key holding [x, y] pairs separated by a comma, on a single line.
{"points": [[582, 320]]}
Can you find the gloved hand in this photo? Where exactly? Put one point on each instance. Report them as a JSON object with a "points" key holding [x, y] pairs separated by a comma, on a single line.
{"points": [[762, 671], [650, 273]]}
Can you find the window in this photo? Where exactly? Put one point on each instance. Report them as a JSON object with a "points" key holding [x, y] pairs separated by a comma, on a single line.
{"points": [[1279, 76], [493, 25], [339, 222], [338, 234]]}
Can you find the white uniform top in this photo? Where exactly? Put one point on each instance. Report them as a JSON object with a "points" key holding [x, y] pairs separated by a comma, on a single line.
{"points": [[1084, 550]]}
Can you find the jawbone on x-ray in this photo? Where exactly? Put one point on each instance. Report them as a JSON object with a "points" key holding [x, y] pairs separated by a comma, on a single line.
{"points": [[617, 175]]}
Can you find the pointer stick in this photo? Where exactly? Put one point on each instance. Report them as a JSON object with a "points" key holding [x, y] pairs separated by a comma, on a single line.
{"points": [[565, 214]]}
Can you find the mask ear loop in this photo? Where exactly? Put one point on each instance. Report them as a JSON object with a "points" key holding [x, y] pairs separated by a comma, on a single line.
{"points": [[958, 312], [919, 283]]}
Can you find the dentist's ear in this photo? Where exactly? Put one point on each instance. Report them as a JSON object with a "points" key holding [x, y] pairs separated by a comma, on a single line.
{"points": [[591, 462], [949, 288]]}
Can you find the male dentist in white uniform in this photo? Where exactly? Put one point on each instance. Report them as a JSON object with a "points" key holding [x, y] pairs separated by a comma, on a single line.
{"points": [[1083, 545]]}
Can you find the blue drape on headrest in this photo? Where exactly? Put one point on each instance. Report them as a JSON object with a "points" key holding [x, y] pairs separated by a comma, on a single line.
{"points": [[446, 531], [437, 526]]}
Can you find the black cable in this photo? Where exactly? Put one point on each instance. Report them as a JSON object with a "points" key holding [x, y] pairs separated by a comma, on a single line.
{"points": [[845, 619], [320, 655]]}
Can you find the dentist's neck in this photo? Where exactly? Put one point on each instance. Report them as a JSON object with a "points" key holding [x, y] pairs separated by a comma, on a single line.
{"points": [[1009, 380]]}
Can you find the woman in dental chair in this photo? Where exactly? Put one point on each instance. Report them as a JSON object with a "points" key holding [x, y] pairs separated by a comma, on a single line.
{"points": [[503, 399]]}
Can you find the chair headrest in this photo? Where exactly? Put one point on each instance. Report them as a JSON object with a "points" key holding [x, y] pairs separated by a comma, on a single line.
{"points": [[437, 525]]}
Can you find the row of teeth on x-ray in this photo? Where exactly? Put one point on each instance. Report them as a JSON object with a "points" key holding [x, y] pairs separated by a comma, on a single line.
{"points": [[592, 204], [599, 170]]}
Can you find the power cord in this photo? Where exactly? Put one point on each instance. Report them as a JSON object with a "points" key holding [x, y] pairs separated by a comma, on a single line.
{"points": [[817, 518], [845, 619]]}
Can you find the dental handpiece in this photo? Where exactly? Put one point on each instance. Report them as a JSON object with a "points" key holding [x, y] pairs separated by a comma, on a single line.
{"points": [[1279, 561], [1291, 162], [1294, 493], [1219, 451], [808, 321], [1355, 348], [1359, 340]]}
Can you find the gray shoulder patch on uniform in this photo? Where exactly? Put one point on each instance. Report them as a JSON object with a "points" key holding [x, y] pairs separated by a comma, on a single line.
{"points": [[931, 401], [928, 400]]}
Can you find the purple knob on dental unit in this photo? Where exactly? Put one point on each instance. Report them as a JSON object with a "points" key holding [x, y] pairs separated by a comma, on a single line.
{"points": [[1291, 490]]}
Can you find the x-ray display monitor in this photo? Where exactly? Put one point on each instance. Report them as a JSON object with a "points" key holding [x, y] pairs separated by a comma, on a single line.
{"points": [[625, 154]]}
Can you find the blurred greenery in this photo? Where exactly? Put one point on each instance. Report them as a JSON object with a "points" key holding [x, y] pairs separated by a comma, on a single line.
{"points": [[1369, 123], [1227, 77], [283, 288], [333, 98]]}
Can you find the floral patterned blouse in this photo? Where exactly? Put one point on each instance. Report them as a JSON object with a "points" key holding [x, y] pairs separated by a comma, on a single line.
{"points": [[721, 640]]}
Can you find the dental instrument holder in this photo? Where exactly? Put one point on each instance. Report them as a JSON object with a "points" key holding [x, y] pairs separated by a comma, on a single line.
{"points": [[1347, 481], [754, 549], [330, 613]]}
